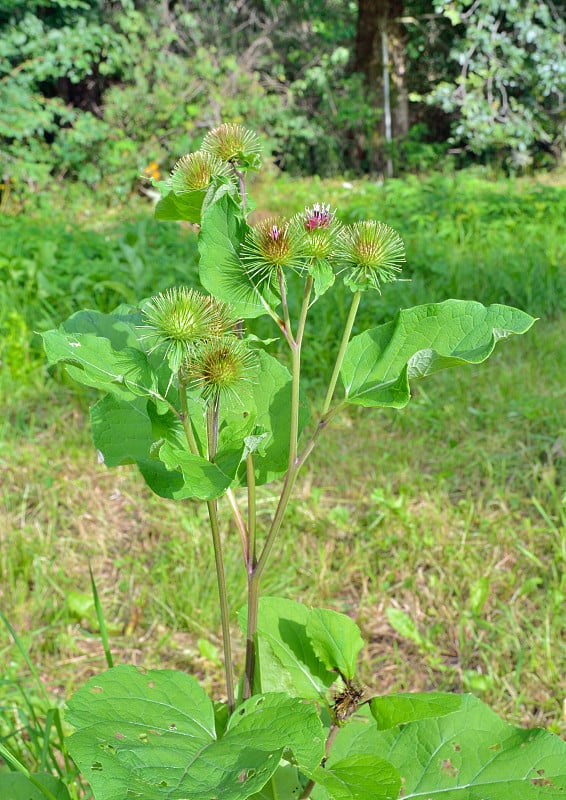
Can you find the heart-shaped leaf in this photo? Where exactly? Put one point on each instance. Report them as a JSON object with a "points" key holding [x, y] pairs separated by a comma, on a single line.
{"points": [[152, 735], [379, 363]]}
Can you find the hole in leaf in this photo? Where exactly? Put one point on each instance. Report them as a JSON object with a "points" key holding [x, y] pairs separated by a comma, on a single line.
{"points": [[163, 783], [108, 748], [241, 711], [456, 747], [540, 772], [172, 727], [96, 689], [96, 766], [251, 772], [143, 737]]}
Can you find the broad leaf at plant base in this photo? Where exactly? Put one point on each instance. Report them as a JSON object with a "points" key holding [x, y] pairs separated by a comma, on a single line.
{"points": [[398, 709], [154, 733], [379, 363], [467, 754], [285, 658], [357, 777]]}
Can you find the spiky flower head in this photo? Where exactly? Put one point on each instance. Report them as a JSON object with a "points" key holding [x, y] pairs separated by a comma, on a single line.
{"points": [[195, 171], [234, 143], [373, 252], [220, 368], [321, 230], [271, 245], [180, 318]]}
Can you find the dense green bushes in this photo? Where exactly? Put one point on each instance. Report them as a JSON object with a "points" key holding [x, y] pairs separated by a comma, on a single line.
{"points": [[105, 92]]}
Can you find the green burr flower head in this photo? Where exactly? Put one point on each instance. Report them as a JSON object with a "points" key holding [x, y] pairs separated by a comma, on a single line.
{"points": [[234, 143], [372, 253], [221, 367], [321, 230], [271, 245], [179, 318], [195, 171]]}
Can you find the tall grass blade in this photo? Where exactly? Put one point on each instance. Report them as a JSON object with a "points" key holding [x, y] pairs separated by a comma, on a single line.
{"points": [[101, 620]]}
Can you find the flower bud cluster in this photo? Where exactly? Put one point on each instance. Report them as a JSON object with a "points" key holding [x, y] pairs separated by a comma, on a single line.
{"points": [[196, 334]]}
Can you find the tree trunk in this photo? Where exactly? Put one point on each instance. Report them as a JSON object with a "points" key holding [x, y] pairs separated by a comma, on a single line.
{"points": [[375, 17]]}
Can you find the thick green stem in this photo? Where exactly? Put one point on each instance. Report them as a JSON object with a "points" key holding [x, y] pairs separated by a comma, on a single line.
{"points": [[329, 742], [287, 330], [212, 506], [340, 357], [251, 631], [255, 570], [240, 524], [250, 475], [185, 418]]}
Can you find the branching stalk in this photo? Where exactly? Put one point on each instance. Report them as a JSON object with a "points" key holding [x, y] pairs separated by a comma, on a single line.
{"points": [[256, 569], [212, 506], [340, 357], [329, 742], [250, 475]]}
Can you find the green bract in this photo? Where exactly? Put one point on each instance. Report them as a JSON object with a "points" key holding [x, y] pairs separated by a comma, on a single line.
{"points": [[204, 416]]}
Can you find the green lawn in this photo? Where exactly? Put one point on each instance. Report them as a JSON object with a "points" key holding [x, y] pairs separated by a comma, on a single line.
{"points": [[451, 512]]}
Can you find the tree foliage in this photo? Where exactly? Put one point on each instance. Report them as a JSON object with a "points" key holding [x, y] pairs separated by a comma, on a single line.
{"points": [[105, 91]]}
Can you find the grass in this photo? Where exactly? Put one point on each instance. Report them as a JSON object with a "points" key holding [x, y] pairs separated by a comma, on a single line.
{"points": [[451, 512]]}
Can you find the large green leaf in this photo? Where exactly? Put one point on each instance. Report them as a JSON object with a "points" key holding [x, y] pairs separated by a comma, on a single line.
{"points": [[472, 754], [271, 394], [285, 782], [336, 640], [286, 660], [16, 786], [181, 205], [357, 777], [121, 430], [202, 479], [122, 327], [152, 736], [127, 432], [398, 709], [92, 360], [379, 363], [221, 270]]}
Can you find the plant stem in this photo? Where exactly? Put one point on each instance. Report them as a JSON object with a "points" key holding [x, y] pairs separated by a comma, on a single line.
{"points": [[255, 570], [287, 330], [240, 524], [242, 179], [329, 742], [340, 357], [250, 475], [185, 418], [212, 506]]}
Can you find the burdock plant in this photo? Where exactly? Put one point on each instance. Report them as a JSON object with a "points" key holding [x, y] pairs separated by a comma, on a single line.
{"points": [[207, 412]]}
